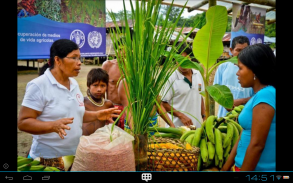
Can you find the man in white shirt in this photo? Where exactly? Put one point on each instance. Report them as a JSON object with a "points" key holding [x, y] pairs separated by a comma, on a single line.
{"points": [[182, 93]]}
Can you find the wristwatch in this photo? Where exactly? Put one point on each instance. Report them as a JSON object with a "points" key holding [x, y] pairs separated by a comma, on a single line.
{"points": [[203, 115]]}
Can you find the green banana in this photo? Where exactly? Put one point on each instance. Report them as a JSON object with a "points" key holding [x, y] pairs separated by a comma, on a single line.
{"points": [[241, 106], [37, 168], [51, 169], [227, 150], [223, 136], [197, 137], [223, 129], [221, 164], [185, 135], [218, 144], [209, 128], [232, 116], [223, 124], [237, 109], [216, 160], [235, 135], [204, 150], [199, 162], [189, 138], [239, 128], [234, 112], [168, 135], [23, 161], [211, 150], [35, 162], [20, 157], [219, 119], [24, 167], [229, 136]]}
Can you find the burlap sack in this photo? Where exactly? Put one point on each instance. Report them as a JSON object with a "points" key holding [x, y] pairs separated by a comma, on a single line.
{"points": [[97, 153]]}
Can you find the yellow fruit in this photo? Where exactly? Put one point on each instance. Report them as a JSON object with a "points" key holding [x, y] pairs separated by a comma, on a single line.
{"points": [[188, 146]]}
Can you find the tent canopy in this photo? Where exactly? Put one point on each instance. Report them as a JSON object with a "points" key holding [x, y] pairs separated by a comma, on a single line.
{"points": [[270, 39], [203, 5]]}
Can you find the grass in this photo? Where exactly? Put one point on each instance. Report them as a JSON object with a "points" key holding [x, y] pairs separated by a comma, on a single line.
{"points": [[27, 72]]}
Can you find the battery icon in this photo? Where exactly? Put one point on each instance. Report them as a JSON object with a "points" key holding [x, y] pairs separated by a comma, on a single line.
{"points": [[286, 177]]}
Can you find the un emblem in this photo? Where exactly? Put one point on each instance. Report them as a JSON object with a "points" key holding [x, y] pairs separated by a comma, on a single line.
{"points": [[258, 40], [78, 37], [252, 41], [94, 39]]}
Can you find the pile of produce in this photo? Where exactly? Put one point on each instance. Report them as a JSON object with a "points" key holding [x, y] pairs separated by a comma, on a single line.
{"points": [[169, 154], [30, 164], [170, 132], [215, 138]]}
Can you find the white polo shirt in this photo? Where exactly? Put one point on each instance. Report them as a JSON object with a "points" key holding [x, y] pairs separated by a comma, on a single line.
{"points": [[55, 101], [183, 98]]}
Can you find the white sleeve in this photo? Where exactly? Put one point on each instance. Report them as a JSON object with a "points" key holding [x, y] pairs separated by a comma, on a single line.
{"points": [[167, 91], [33, 97]]}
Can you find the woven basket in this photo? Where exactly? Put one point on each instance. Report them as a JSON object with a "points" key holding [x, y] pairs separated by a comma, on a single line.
{"points": [[163, 159]]}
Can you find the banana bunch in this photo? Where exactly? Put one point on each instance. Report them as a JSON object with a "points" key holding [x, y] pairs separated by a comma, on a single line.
{"points": [[234, 113], [215, 138], [29, 164]]}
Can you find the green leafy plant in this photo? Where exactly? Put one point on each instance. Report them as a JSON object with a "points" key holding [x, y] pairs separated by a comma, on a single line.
{"points": [[144, 49], [49, 9], [207, 48]]}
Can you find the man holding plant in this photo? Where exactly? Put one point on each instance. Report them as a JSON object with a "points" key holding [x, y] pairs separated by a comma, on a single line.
{"points": [[182, 94], [226, 75]]}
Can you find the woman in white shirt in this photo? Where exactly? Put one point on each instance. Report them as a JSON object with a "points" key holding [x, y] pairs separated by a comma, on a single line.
{"points": [[53, 109]]}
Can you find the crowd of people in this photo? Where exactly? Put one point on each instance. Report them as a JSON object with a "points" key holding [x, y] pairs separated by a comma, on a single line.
{"points": [[57, 114]]}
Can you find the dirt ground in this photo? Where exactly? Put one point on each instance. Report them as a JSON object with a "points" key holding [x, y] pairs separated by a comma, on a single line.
{"points": [[24, 139]]}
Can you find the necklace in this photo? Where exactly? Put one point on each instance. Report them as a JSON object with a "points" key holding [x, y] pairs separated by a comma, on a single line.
{"points": [[93, 102]]}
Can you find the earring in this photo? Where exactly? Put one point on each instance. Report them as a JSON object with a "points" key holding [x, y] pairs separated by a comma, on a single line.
{"points": [[254, 77]]}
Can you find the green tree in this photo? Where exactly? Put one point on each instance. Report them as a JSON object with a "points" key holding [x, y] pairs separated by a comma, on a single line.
{"points": [[270, 30], [228, 29], [173, 13], [119, 16]]}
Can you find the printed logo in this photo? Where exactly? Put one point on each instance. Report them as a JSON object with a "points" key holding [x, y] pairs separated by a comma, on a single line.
{"points": [[94, 39], [78, 98], [258, 40], [78, 37], [199, 87], [252, 41]]}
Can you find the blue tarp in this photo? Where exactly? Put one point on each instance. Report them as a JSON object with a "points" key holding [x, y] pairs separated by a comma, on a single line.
{"points": [[270, 39], [36, 34]]}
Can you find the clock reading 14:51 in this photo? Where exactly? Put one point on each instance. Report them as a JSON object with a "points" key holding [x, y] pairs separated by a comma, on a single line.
{"points": [[260, 177]]}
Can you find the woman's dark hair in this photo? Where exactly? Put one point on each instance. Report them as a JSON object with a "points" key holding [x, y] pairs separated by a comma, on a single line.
{"points": [[261, 60], [97, 74], [60, 48]]}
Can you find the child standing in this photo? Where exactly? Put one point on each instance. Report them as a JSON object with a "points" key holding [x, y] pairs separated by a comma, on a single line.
{"points": [[97, 83]]}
